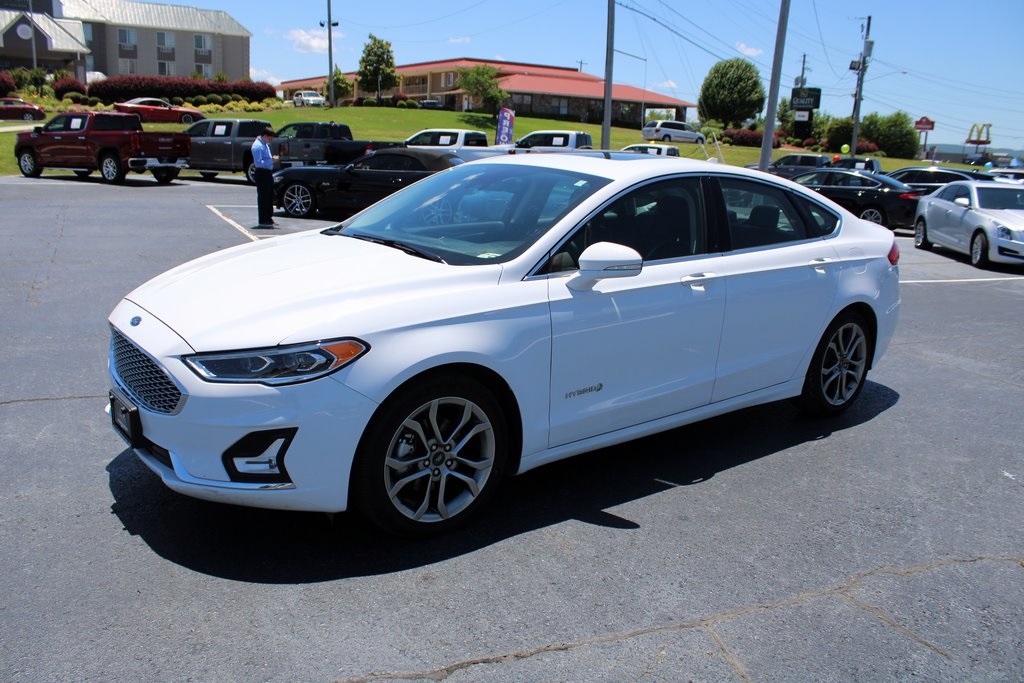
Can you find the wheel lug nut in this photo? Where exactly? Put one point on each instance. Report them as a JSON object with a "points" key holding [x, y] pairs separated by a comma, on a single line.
{"points": [[436, 472], [449, 463]]}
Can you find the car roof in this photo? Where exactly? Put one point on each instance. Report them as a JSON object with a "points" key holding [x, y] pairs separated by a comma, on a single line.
{"points": [[877, 177]]}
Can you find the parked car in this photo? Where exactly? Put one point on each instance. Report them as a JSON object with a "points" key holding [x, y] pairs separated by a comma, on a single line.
{"points": [[308, 98], [859, 164], [303, 190], [871, 196], [17, 108], [554, 141], [657, 150], [431, 104], [789, 165], [109, 142], [447, 138], [982, 219], [930, 178], [153, 110], [671, 131], [402, 367], [305, 143], [224, 146], [1008, 173]]}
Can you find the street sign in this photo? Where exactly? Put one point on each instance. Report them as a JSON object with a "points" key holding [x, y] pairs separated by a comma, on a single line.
{"points": [[924, 123], [805, 99]]}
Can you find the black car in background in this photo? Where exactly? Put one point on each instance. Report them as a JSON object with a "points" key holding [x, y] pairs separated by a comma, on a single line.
{"points": [[927, 179], [872, 196], [303, 190]]}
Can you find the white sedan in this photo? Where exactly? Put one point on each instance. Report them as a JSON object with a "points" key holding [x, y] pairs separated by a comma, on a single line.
{"points": [[402, 367], [984, 220]]}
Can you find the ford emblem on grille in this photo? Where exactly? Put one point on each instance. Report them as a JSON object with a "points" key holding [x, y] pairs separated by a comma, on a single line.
{"points": [[134, 322]]}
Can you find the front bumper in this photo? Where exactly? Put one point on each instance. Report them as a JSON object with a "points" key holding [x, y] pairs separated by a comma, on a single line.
{"points": [[309, 431]]}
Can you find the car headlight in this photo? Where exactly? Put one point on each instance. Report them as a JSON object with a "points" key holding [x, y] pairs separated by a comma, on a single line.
{"points": [[277, 365], [1003, 232]]}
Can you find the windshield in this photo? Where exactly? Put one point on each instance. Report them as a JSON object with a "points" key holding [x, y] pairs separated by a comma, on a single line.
{"points": [[475, 213], [1001, 198]]}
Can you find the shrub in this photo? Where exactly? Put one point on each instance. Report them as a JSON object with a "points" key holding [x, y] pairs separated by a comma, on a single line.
{"points": [[62, 87], [401, 104], [7, 84], [810, 142], [199, 100], [412, 104], [369, 102], [177, 101], [214, 98]]}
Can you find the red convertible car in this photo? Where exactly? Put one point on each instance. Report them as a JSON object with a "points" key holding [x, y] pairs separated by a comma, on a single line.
{"points": [[153, 110], [17, 108]]}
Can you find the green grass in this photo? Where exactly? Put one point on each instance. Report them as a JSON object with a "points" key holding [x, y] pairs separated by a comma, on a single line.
{"points": [[388, 123]]}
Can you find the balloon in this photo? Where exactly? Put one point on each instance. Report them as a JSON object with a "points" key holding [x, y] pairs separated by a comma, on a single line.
{"points": [[988, 165], [845, 149], [836, 157]]}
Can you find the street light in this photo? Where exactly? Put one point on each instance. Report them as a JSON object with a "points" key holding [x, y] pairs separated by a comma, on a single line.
{"points": [[330, 54]]}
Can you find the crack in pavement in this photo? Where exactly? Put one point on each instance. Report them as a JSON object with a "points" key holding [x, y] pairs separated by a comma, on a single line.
{"points": [[707, 623]]}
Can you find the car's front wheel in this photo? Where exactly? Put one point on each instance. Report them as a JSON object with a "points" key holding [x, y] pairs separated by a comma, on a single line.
{"points": [[921, 240], [187, 118], [979, 250], [298, 200], [250, 172], [28, 116], [432, 457], [28, 165], [666, 138], [839, 366]]}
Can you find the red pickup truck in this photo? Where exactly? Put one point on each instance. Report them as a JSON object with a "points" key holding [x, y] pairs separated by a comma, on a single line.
{"points": [[109, 142]]}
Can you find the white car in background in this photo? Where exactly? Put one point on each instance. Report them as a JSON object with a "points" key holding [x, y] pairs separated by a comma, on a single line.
{"points": [[671, 131], [982, 219], [402, 367], [308, 98], [657, 150]]}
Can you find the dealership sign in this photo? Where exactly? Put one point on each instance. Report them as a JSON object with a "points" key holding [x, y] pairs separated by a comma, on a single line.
{"points": [[805, 99], [924, 123]]}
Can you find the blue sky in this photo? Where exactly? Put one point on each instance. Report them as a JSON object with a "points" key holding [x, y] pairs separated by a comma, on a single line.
{"points": [[956, 63]]}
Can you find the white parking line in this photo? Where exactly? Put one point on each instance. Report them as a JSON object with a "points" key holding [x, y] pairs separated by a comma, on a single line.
{"points": [[233, 224], [961, 280]]}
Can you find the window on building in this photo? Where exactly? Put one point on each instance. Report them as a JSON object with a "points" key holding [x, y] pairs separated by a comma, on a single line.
{"points": [[90, 63], [204, 41], [449, 79], [126, 37], [87, 32], [165, 40], [521, 102], [204, 70], [127, 67], [166, 69], [560, 105]]}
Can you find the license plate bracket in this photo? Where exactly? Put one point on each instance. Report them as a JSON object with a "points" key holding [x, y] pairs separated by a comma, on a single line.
{"points": [[124, 417]]}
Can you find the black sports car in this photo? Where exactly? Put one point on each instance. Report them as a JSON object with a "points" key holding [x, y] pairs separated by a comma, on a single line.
{"points": [[872, 196], [303, 190]]}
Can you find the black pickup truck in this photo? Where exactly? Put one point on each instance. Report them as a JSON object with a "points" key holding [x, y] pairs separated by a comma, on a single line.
{"points": [[224, 146], [309, 143]]}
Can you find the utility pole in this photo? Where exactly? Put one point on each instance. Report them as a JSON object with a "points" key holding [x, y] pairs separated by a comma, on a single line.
{"points": [[330, 54], [606, 125], [801, 80], [581, 63], [861, 67], [773, 87]]}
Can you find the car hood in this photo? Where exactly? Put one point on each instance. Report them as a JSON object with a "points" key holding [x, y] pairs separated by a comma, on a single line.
{"points": [[300, 288], [1011, 218]]}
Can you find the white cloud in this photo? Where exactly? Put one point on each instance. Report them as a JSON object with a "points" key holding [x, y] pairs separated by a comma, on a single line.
{"points": [[459, 40], [263, 75], [311, 42], [745, 49], [668, 85]]}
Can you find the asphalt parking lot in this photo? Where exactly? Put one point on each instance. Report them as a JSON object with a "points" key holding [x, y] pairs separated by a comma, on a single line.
{"points": [[761, 546]]}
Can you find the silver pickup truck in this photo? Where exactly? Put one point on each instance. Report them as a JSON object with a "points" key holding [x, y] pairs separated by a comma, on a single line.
{"points": [[224, 146]]}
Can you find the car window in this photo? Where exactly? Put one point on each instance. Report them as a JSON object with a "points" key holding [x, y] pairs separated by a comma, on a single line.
{"points": [[761, 215], [198, 130], [391, 162], [947, 193], [817, 178], [1001, 198], [476, 140], [250, 129], [662, 220], [222, 129]]}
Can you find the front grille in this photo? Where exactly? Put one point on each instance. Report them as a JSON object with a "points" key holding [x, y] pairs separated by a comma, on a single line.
{"points": [[141, 377]]}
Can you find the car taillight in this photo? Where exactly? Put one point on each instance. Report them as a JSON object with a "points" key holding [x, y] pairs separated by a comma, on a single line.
{"points": [[910, 195], [894, 254]]}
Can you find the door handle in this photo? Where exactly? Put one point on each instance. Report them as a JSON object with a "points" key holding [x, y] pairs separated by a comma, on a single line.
{"points": [[819, 263], [697, 280]]}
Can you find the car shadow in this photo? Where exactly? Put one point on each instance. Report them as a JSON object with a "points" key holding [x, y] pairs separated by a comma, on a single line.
{"points": [[131, 180], [268, 546], [1000, 268]]}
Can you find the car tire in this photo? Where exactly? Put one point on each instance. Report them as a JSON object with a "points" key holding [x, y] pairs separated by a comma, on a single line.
{"points": [[207, 175], [431, 457], [701, 140], [666, 138], [873, 214], [838, 368], [187, 118], [111, 169], [83, 173], [165, 175], [979, 250], [298, 200], [28, 116], [250, 172], [28, 165], [921, 235]]}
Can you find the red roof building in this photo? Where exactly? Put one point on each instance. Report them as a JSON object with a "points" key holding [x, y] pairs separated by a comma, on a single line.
{"points": [[534, 89]]}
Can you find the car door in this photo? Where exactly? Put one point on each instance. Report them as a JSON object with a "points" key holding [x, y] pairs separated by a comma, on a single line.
{"points": [[630, 350], [945, 218], [220, 141], [62, 142], [201, 154], [378, 175], [781, 279]]}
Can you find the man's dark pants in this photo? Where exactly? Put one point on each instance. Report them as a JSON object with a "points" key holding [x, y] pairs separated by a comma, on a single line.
{"points": [[265, 195]]}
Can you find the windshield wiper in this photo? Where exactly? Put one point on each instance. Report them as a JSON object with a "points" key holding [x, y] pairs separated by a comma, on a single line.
{"points": [[395, 244]]}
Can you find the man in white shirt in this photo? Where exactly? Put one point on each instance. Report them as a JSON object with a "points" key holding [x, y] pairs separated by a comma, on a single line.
{"points": [[264, 160]]}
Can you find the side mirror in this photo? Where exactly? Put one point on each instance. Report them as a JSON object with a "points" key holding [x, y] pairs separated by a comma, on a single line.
{"points": [[603, 261], [37, 130], [963, 201]]}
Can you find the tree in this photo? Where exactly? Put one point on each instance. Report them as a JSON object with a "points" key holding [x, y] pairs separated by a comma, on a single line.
{"points": [[377, 66], [784, 115], [342, 86], [731, 92], [894, 134], [481, 82]]}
